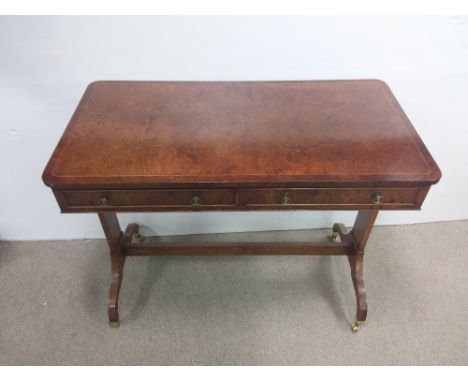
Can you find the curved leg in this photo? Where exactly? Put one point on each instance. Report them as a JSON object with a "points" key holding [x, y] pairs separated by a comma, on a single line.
{"points": [[358, 236], [117, 264], [116, 240], [356, 263]]}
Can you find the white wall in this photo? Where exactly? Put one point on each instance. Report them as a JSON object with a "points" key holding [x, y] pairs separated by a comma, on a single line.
{"points": [[46, 63]]}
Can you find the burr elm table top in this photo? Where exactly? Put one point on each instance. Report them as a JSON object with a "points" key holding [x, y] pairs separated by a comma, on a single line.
{"points": [[336, 133]]}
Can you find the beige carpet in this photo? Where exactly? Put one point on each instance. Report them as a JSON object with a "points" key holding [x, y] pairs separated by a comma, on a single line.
{"points": [[257, 310]]}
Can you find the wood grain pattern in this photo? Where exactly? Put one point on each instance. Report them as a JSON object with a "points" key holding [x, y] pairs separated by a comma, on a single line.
{"points": [[242, 199], [350, 197], [147, 198], [135, 134]]}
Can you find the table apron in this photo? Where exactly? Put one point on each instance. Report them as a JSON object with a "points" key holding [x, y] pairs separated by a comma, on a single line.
{"points": [[241, 199]]}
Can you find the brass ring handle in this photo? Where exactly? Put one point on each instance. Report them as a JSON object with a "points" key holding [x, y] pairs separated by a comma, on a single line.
{"points": [[377, 197], [285, 199], [196, 200], [104, 201]]}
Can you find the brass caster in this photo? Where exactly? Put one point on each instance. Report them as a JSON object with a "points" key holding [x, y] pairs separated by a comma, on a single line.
{"points": [[333, 236], [356, 326], [138, 237], [114, 324]]}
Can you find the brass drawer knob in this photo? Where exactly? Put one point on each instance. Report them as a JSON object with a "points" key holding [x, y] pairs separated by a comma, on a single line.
{"points": [[104, 201], [377, 198], [285, 199], [196, 200]]}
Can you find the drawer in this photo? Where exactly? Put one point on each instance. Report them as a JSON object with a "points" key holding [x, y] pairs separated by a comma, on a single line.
{"points": [[139, 199], [341, 198]]}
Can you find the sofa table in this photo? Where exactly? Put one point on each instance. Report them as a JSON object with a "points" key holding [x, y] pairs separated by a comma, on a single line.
{"points": [[239, 146]]}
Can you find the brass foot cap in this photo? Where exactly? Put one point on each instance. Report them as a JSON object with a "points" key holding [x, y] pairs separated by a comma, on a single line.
{"points": [[356, 326], [114, 324], [333, 236]]}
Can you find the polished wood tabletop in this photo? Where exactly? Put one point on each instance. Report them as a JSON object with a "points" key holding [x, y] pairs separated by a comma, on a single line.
{"points": [[140, 134]]}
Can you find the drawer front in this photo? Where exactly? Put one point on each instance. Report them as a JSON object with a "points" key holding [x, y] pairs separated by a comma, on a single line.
{"points": [[140, 199], [341, 198]]}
